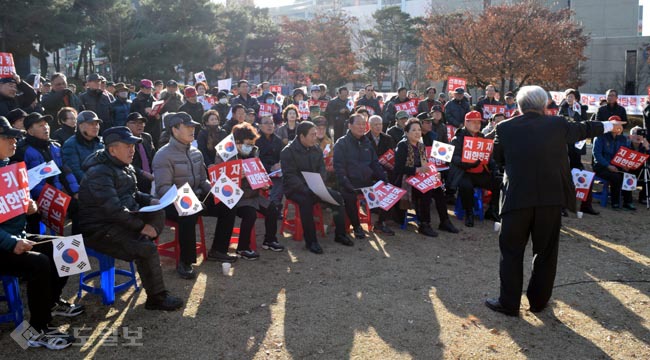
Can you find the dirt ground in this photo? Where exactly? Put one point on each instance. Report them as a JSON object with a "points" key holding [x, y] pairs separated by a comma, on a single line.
{"points": [[401, 297]]}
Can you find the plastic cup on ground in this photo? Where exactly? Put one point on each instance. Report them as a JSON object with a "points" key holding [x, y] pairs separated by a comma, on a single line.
{"points": [[225, 267]]}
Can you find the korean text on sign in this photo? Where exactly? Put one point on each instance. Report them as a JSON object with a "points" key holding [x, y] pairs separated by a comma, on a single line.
{"points": [[14, 191], [475, 148]]}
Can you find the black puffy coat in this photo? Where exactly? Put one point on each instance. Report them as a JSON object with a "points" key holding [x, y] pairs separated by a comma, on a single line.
{"points": [[296, 158], [107, 194], [355, 163]]}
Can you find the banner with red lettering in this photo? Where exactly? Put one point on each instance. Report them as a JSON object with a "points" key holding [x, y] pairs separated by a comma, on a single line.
{"points": [[232, 169], [255, 173], [276, 89], [451, 132], [14, 192], [428, 181], [387, 195], [628, 158], [388, 159], [489, 110], [320, 103], [476, 148], [7, 67], [267, 110], [456, 82], [440, 164], [53, 207], [551, 112], [410, 107]]}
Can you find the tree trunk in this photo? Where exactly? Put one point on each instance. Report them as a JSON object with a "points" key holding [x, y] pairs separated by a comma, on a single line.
{"points": [[57, 60], [79, 62], [42, 57]]}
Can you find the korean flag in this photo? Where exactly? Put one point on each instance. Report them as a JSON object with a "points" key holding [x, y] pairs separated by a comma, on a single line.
{"points": [[629, 182], [70, 255], [371, 198], [42, 171], [186, 202], [582, 178], [227, 191], [442, 151], [227, 148]]}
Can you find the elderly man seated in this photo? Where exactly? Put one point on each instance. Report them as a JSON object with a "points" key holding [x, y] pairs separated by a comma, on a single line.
{"points": [[639, 143], [109, 200], [356, 166], [303, 154], [605, 147]]}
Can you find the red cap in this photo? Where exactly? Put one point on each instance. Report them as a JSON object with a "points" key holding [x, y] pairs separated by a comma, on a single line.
{"points": [[146, 83], [190, 91], [473, 115]]}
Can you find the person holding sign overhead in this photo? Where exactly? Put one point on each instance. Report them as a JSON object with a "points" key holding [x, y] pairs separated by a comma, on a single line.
{"points": [[604, 149], [411, 159], [178, 163], [303, 155], [472, 166], [21, 255]]}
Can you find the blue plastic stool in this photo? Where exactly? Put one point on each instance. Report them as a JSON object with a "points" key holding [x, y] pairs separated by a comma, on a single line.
{"points": [[106, 273], [12, 297], [408, 217], [478, 205], [601, 195]]}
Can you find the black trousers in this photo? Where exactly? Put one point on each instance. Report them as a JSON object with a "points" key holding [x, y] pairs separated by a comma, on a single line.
{"points": [[542, 224], [44, 286], [483, 180], [306, 203], [129, 245], [187, 228], [423, 204], [615, 180], [248, 215]]}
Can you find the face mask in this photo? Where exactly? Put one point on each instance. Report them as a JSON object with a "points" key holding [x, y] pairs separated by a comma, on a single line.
{"points": [[223, 101], [123, 94], [269, 101], [246, 149]]}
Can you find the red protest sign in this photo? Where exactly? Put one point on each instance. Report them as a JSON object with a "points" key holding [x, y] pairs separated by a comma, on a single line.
{"points": [[303, 109], [267, 110], [456, 82], [232, 169], [476, 148], [320, 103], [410, 107], [489, 110], [551, 112], [426, 182], [255, 173], [7, 67], [451, 132], [14, 194], [440, 164], [628, 158], [388, 195], [53, 206], [276, 89], [388, 159]]}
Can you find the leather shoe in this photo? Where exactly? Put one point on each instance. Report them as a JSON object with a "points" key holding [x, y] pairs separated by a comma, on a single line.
{"points": [[536, 309], [343, 240], [315, 248], [469, 219], [495, 305], [589, 210], [448, 226], [163, 301], [185, 271], [565, 213], [358, 233], [426, 230]]}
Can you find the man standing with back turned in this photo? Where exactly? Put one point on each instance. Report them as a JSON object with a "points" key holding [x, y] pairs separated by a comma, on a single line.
{"points": [[532, 146]]}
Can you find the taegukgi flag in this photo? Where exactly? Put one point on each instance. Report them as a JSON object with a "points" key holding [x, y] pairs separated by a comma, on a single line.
{"points": [[442, 151], [186, 202], [70, 255], [227, 148]]}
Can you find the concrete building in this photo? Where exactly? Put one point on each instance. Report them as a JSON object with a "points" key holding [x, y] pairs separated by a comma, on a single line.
{"points": [[618, 56]]}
